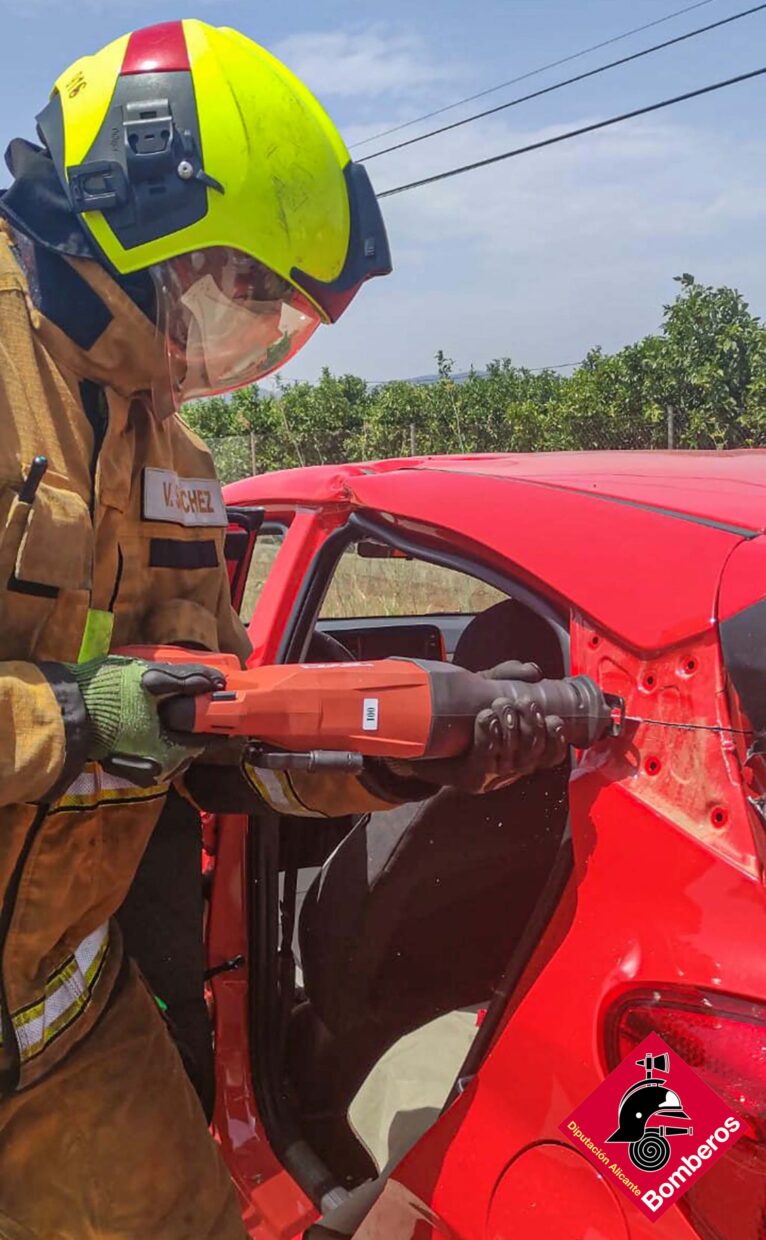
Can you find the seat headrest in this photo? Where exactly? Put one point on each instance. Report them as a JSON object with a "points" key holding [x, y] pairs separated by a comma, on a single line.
{"points": [[509, 630]]}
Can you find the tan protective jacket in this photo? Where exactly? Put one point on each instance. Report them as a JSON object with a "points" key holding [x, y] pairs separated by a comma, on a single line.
{"points": [[123, 543]]}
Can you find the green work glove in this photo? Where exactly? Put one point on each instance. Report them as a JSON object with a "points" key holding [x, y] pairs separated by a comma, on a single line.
{"points": [[123, 699]]}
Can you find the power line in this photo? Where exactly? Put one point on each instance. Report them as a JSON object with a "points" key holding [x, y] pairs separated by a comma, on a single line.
{"points": [[580, 77], [553, 64], [572, 133]]}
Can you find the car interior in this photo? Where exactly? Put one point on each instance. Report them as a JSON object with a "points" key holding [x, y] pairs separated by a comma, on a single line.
{"points": [[379, 941]]}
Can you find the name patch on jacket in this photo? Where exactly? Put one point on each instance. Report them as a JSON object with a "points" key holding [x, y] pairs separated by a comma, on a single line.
{"points": [[184, 501]]}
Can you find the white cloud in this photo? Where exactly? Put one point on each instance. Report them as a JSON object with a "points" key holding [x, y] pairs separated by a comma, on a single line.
{"points": [[637, 187], [371, 63], [544, 256]]}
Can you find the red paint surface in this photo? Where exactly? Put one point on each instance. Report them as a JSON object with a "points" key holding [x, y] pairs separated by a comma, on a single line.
{"points": [[580, 526], [610, 561], [744, 578], [305, 536], [726, 487], [546, 1185], [157, 49], [715, 486], [663, 891]]}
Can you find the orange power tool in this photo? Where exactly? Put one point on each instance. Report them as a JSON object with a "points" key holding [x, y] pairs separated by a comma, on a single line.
{"points": [[332, 715]]}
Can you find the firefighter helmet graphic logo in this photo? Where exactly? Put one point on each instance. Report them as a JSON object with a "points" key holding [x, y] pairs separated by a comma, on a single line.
{"points": [[671, 1127], [641, 1106]]}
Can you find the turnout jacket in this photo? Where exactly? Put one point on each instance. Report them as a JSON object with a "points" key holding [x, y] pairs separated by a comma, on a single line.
{"points": [[121, 544]]}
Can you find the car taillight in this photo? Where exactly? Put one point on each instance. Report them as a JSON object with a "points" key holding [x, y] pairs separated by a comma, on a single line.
{"points": [[724, 1039]]}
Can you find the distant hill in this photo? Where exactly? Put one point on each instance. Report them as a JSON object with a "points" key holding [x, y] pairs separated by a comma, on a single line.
{"points": [[423, 380]]}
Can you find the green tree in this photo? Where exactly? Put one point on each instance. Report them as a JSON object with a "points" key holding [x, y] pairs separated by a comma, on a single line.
{"points": [[707, 363], [714, 367]]}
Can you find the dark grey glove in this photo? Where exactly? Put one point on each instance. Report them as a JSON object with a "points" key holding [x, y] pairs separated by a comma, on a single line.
{"points": [[508, 742]]}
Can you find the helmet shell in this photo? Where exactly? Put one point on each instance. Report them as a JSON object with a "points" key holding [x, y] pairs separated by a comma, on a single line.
{"points": [[185, 136], [640, 1103]]}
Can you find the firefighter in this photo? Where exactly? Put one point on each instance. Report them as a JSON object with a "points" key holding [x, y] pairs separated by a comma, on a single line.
{"points": [[188, 219]]}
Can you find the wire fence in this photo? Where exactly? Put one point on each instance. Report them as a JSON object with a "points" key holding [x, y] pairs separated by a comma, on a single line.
{"points": [[243, 455], [235, 456]]}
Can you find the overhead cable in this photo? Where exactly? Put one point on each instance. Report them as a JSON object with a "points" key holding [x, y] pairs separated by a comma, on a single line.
{"points": [[572, 133], [553, 64], [580, 77]]}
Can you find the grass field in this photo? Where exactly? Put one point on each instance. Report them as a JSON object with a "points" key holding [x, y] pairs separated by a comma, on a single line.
{"points": [[371, 587]]}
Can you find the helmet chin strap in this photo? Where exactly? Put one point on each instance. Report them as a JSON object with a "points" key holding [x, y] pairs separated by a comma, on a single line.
{"points": [[37, 206]]}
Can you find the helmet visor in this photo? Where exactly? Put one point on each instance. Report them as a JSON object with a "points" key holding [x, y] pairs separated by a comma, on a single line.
{"points": [[228, 320]]}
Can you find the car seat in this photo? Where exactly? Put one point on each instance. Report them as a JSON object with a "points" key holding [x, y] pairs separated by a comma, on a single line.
{"points": [[418, 909]]}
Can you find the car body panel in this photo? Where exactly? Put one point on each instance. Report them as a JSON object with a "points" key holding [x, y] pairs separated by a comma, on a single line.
{"points": [[305, 535], [743, 578], [722, 487], [546, 1184], [564, 543], [667, 885], [532, 510]]}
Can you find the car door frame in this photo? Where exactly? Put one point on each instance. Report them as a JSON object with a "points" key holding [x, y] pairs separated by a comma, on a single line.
{"points": [[326, 535]]}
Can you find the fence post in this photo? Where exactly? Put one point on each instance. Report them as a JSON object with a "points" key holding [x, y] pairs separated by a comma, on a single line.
{"points": [[413, 441], [671, 426], [253, 458]]}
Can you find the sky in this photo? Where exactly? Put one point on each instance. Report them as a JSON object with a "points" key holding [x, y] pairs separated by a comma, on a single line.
{"points": [[539, 258]]}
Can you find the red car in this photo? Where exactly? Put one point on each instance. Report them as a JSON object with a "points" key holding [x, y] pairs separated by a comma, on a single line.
{"points": [[473, 967]]}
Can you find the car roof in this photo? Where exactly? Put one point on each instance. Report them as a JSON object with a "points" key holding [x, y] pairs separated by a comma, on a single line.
{"points": [[636, 541], [726, 488]]}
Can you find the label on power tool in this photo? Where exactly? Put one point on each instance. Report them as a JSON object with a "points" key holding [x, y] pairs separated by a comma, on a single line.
{"points": [[370, 712]]}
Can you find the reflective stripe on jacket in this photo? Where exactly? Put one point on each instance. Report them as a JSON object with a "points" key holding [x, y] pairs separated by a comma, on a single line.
{"points": [[68, 991]]}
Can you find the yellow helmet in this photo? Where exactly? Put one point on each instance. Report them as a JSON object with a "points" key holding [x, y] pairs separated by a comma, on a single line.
{"points": [[183, 138]]}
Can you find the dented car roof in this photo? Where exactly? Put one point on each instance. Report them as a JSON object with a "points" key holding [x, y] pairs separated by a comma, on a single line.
{"points": [[636, 540], [721, 487]]}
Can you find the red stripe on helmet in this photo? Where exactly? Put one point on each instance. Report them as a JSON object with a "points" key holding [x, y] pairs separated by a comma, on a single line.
{"points": [[157, 49]]}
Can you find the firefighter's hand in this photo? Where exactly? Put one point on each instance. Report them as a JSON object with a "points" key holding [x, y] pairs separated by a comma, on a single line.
{"points": [[123, 697], [508, 741]]}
